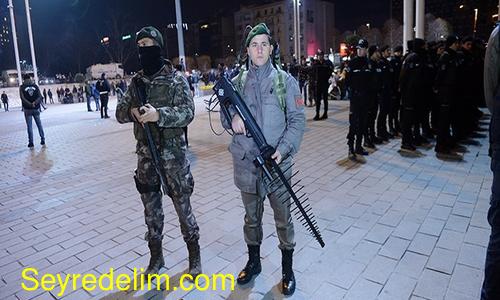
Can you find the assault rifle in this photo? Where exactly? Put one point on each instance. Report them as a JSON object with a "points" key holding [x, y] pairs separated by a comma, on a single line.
{"points": [[140, 90]]}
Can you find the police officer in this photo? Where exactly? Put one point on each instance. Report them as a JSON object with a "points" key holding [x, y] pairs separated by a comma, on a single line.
{"points": [[447, 85], [375, 85], [280, 114], [170, 108], [102, 86], [322, 72], [385, 98], [358, 73], [396, 63], [412, 84]]}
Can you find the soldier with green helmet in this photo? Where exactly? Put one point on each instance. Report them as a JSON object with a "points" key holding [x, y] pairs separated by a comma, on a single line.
{"points": [[170, 107], [274, 99]]}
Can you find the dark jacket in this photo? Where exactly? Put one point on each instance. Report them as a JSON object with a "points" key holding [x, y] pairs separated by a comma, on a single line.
{"points": [[358, 73], [412, 79], [446, 82], [30, 95]]}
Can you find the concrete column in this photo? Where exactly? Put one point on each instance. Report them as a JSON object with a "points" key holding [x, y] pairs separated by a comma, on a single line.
{"points": [[295, 30], [32, 45], [408, 15], [420, 19], [180, 34], [14, 41]]}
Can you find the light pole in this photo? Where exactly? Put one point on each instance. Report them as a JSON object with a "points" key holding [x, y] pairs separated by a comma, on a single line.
{"points": [[30, 33], [420, 19], [408, 14], [475, 21], [180, 34], [14, 40]]}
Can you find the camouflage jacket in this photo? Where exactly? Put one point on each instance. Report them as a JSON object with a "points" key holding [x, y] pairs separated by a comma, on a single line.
{"points": [[169, 93]]}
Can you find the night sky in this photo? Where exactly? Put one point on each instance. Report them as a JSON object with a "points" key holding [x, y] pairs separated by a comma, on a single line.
{"points": [[67, 32]]}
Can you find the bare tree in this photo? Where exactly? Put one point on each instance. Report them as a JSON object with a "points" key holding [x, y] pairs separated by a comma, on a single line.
{"points": [[391, 33], [439, 29], [117, 49]]}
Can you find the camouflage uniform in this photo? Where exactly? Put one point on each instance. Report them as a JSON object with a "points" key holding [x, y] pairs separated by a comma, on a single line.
{"points": [[169, 94]]}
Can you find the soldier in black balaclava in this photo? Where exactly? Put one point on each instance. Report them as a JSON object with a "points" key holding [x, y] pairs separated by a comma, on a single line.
{"points": [[169, 109]]}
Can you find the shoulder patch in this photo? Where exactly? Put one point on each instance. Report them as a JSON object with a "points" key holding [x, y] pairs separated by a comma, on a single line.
{"points": [[299, 101]]}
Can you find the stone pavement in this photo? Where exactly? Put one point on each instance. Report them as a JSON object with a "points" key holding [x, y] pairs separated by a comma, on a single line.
{"points": [[394, 228]]}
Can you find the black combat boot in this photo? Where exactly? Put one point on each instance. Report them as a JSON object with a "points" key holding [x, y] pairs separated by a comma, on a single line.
{"points": [[194, 259], [253, 266], [351, 154], [288, 278], [156, 262]]}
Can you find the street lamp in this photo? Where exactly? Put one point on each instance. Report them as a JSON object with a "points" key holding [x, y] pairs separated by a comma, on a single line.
{"points": [[475, 21], [368, 25]]}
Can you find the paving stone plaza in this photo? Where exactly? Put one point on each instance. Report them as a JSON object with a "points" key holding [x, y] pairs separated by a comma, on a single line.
{"points": [[395, 228]]}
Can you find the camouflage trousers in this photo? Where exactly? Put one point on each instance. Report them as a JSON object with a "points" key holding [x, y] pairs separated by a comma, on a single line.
{"points": [[180, 187], [254, 209]]}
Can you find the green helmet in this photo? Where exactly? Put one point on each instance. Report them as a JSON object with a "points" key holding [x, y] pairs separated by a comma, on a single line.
{"points": [[150, 32]]}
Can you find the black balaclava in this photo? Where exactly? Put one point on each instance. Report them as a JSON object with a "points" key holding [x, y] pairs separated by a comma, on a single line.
{"points": [[151, 59]]}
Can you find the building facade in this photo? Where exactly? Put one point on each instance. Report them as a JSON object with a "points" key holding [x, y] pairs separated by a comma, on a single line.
{"points": [[6, 47], [317, 22]]}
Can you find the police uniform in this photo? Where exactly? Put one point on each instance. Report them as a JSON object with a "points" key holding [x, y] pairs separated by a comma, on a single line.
{"points": [[385, 98], [412, 84], [358, 73], [394, 124], [167, 91], [375, 85], [446, 84], [282, 121]]}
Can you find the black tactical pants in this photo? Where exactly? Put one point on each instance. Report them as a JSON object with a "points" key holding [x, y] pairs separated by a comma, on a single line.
{"points": [[303, 89], [407, 124], [385, 109], [104, 106], [322, 94], [394, 124], [444, 141], [357, 120], [372, 116]]}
